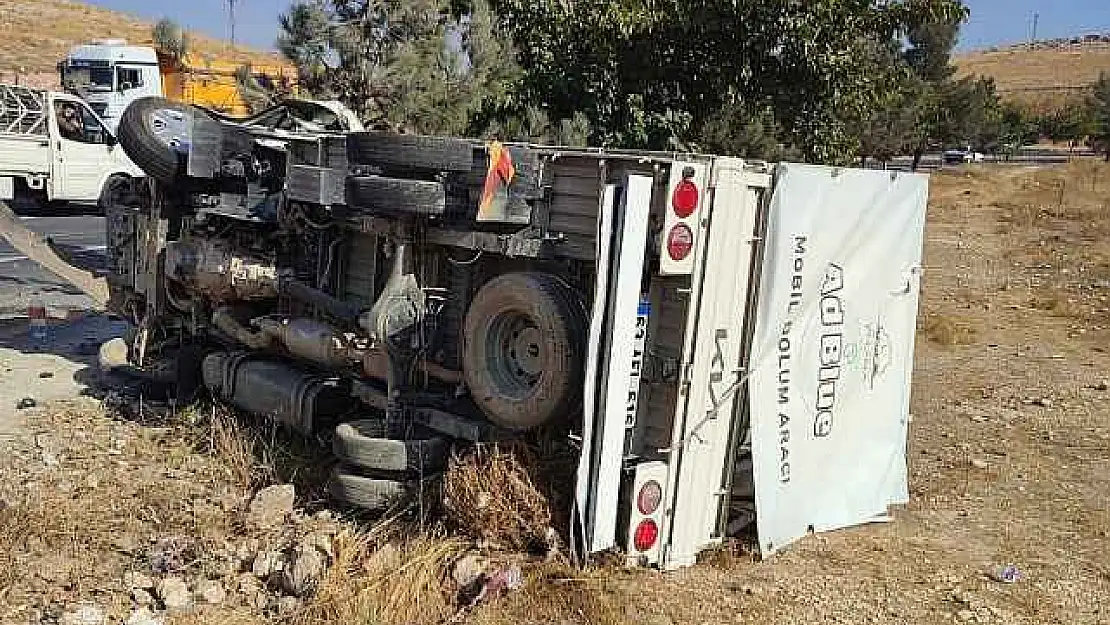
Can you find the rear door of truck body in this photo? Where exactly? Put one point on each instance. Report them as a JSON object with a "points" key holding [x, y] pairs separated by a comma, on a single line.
{"points": [[710, 399], [719, 266]]}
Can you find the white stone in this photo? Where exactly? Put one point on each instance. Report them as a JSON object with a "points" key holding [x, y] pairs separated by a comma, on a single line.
{"points": [[175, 595], [271, 505]]}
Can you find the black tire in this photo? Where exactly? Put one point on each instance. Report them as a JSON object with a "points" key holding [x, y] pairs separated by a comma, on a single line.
{"points": [[377, 494], [393, 151], [363, 443], [151, 146], [524, 352], [396, 195], [116, 192]]}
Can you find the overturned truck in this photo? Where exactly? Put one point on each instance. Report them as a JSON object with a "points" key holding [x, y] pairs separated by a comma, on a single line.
{"points": [[722, 340]]}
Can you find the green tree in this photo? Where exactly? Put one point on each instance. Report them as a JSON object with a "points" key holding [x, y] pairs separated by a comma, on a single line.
{"points": [[1100, 115], [665, 73], [412, 66], [1073, 122], [170, 39], [970, 114]]}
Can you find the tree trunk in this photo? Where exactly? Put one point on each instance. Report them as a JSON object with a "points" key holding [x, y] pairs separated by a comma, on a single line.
{"points": [[918, 152]]}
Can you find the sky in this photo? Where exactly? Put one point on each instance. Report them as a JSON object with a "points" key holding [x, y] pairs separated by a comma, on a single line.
{"points": [[992, 22]]}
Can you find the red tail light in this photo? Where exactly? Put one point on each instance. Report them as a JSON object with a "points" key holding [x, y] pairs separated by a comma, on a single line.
{"points": [[647, 532], [647, 500], [685, 199], [680, 242]]}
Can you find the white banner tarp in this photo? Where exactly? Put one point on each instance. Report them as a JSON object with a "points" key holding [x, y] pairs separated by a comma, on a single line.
{"points": [[832, 354]]}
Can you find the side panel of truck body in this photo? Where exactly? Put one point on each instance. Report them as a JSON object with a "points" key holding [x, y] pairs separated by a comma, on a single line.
{"points": [[833, 350], [23, 156]]}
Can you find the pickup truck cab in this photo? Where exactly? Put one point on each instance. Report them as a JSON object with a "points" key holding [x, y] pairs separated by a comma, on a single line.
{"points": [[53, 147]]}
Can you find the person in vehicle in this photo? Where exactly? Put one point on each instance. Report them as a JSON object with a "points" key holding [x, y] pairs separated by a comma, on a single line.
{"points": [[69, 122]]}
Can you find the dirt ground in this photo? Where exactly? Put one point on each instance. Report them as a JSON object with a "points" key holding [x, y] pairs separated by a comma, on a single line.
{"points": [[1009, 465]]}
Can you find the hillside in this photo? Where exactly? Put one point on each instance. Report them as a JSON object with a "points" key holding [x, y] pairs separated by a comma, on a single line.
{"points": [[35, 35], [1045, 75]]}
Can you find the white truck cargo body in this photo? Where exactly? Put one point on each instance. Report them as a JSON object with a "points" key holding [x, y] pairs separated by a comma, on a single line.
{"points": [[790, 327]]}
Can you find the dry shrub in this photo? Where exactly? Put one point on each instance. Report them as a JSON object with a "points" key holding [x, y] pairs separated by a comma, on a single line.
{"points": [[245, 454], [15, 527], [558, 593], [372, 582], [489, 494], [947, 330], [255, 452]]}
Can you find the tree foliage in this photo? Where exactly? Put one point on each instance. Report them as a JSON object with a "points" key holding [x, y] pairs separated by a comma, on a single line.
{"points": [[1100, 114], [411, 65], [170, 39], [661, 73]]}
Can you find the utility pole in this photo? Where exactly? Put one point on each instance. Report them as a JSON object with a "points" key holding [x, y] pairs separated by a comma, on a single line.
{"points": [[231, 19], [1033, 36]]}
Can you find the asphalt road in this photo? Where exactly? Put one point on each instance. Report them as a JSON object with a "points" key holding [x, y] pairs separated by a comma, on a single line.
{"points": [[75, 231]]}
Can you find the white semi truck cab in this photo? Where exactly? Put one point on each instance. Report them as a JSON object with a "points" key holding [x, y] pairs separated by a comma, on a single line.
{"points": [[109, 74]]}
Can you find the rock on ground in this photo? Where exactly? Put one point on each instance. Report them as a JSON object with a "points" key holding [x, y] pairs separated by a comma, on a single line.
{"points": [[175, 595], [143, 616], [141, 597], [306, 567], [288, 605], [87, 614], [468, 569], [267, 563], [211, 591], [271, 505], [137, 579]]}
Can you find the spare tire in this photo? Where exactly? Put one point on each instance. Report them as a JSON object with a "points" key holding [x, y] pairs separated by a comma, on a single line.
{"points": [[524, 351], [379, 494], [367, 493], [156, 134], [363, 443]]}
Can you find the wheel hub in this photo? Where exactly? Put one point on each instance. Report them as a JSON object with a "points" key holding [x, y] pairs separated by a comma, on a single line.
{"points": [[171, 127], [527, 350]]}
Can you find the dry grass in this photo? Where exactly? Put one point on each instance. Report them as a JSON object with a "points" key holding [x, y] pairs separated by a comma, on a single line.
{"points": [[1036, 76], [374, 582], [557, 593], [36, 34], [489, 494]]}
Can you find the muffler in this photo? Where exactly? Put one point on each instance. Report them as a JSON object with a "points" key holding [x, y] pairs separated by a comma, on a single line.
{"points": [[274, 389]]}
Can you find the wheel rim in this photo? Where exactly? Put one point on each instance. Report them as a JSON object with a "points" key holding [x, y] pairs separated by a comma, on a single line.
{"points": [[172, 128], [515, 353]]}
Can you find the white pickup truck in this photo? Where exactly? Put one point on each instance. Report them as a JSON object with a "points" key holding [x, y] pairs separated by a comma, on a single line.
{"points": [[53, 148]]}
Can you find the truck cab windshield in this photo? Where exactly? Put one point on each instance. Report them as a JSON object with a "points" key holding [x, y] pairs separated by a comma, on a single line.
{"points": [[88, 77]]}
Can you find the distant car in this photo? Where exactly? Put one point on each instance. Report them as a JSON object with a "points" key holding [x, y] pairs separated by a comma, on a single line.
{"points": [[957, 157]]}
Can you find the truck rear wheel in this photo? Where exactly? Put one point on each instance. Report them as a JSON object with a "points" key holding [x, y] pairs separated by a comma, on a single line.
{"points": [[157, 133], [525, 348]]}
